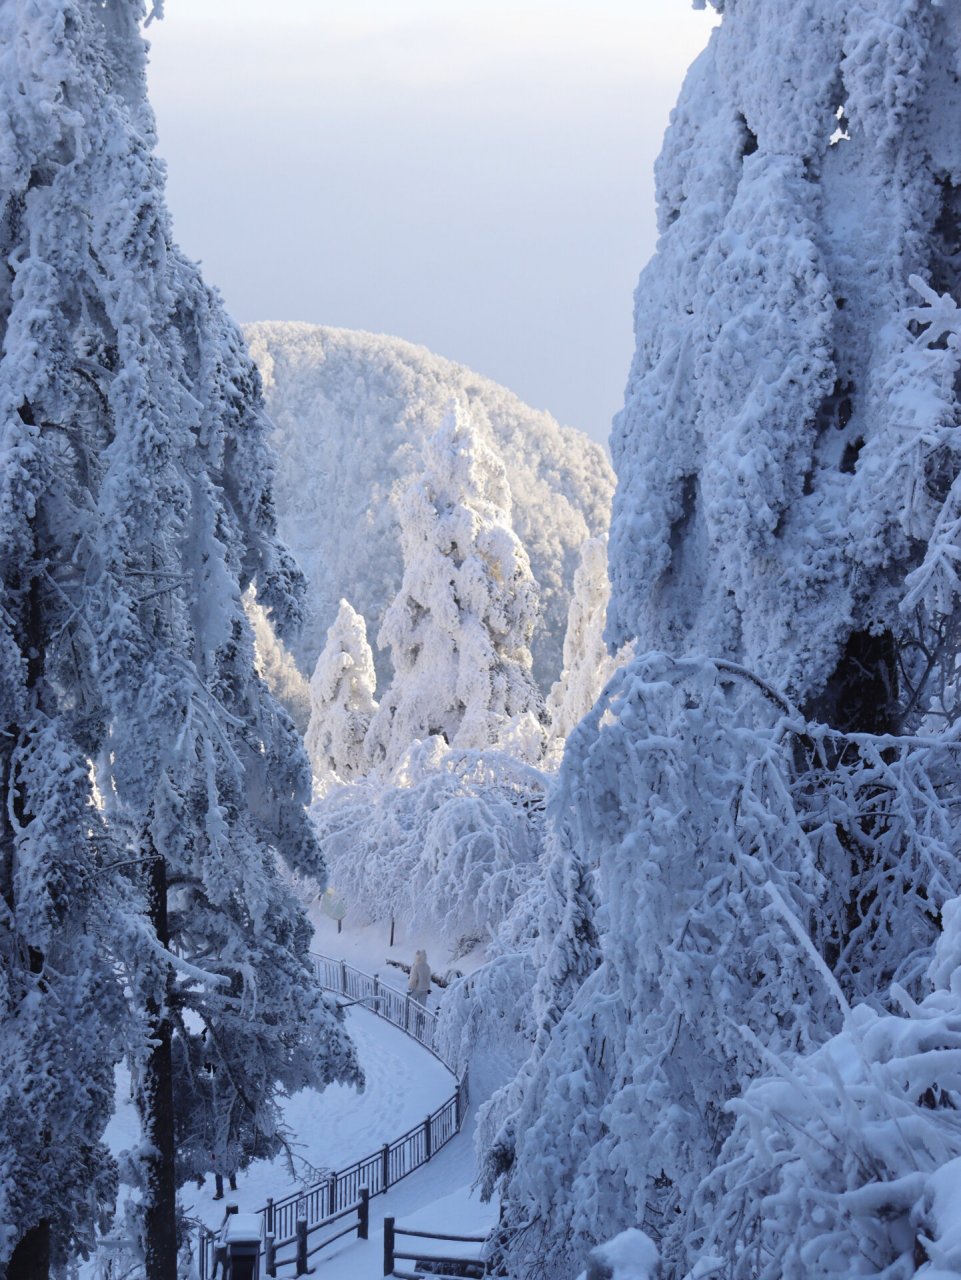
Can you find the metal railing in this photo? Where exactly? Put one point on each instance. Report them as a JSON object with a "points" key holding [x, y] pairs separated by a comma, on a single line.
{"points": [[397, 1007], [341, 1192]]}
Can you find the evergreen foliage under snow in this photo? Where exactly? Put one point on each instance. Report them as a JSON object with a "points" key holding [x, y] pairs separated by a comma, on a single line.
{"points": [[342, 702]]}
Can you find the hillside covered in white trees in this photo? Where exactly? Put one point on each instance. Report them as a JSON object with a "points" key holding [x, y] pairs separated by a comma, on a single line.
{"points": [[352, 413]]}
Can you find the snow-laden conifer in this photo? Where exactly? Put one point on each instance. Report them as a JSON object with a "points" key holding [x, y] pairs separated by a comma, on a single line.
{"points": [[787, 476], [135, 509], [342, 702], [459, 628], [786, 454]]}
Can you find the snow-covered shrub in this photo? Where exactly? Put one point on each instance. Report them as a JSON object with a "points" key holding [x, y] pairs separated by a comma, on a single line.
{"points": [[459, 628], [629, 1256], [342, 702], [453, 841]]}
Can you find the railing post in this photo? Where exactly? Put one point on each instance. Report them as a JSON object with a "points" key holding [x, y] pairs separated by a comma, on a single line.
{"points": [[269, 1216], [270, 1257], [427, 1152], [385, 1166], [376, 989], [407, 1012], [363, 1214], [332, 1193], [388, 1246], [301, 1246], [343, 977]]}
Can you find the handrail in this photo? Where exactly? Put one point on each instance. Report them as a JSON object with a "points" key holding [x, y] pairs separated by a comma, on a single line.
{"points": [[397, 1007], [376, 1173], [392, 1254]]}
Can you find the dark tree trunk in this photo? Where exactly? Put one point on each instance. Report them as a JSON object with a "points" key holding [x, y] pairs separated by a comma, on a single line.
{"points": [[31, 1257], [860, 697], [155, 1103]]}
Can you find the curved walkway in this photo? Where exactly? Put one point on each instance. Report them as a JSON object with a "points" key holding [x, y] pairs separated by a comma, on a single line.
{"points": [[391, 1162]]}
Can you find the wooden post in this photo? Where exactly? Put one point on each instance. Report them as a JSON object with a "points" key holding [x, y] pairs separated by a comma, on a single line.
{"points": [[270, 1257], [391, 931], [363, 1214], [388, 1246], [385, 1166], [343, 977], [301, 1246], [427, 1151], [269, 1216]]}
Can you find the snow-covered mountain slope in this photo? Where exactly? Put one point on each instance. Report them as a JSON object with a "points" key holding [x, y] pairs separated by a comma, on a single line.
{"points": [[352, 413]]}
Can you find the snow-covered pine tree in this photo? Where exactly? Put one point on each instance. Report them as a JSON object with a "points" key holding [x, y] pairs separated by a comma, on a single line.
{"points": [[136, 509], [459, 628], [587, 663], [342, 702], [788, 498]]}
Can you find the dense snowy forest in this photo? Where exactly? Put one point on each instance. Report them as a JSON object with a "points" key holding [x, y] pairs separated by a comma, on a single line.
{"points": [[675, 781]]}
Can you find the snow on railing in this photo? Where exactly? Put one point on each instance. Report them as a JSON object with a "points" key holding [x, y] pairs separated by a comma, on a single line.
{"points": [[374, 1174]]}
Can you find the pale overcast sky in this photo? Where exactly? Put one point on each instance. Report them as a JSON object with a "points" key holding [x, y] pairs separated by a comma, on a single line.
{"points": [[467, 174]]}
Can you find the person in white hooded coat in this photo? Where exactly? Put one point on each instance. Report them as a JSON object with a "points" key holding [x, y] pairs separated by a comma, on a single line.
{"points": [[418, 984]]}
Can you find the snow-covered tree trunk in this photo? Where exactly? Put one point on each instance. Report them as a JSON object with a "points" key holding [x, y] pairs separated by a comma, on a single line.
{"points": [[459, 628]]}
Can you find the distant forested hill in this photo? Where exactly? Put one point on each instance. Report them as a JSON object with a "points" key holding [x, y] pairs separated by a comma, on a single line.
{"points": [[352, 411]]}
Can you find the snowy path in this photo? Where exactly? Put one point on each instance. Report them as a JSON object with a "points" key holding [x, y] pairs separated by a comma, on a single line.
{"points": [[334, 1128]]}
